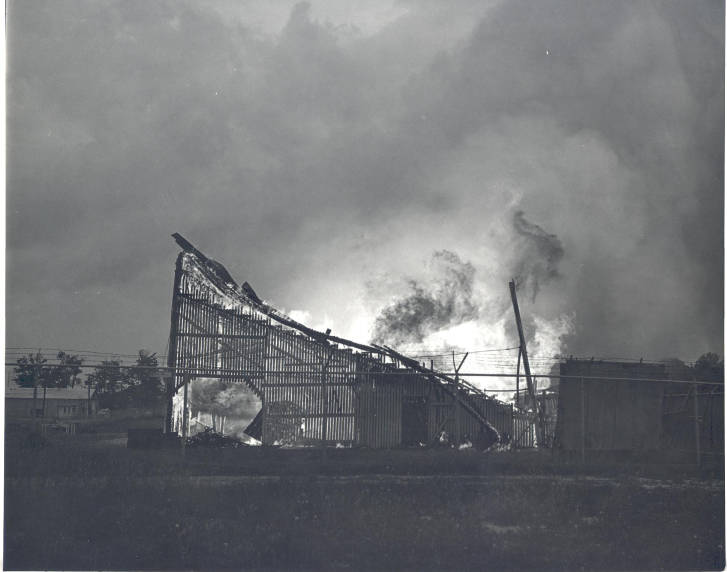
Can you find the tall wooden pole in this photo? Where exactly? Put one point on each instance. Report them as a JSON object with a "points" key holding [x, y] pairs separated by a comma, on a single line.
{"points": [[583, 423], [526, 363], [184, 415], [517, 379], [173, 331], [324, 372], [457, 432], [696, 425], [39, 372]]}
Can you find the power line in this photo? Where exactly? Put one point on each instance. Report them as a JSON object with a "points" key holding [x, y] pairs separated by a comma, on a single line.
{"points": [[83, 354], [459, 353], [35, 349], [256, 373]]}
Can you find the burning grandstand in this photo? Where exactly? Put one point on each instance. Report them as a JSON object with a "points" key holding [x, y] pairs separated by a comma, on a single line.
{"points": [[307, 387]]}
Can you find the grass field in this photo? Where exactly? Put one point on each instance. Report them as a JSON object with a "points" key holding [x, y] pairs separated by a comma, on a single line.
{"points": [[92, 504]]}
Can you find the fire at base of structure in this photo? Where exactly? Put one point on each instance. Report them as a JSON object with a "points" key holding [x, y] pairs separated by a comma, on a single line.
{"points": [[314, 388]]}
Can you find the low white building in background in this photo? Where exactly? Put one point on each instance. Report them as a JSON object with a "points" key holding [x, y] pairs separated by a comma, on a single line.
{"points": [[60, 403]]}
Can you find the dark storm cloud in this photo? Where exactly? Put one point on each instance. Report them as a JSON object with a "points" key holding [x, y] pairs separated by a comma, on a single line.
{"points": [[306, 158]]}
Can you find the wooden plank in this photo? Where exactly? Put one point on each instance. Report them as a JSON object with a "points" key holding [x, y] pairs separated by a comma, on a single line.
{"points": [[208, 334]]}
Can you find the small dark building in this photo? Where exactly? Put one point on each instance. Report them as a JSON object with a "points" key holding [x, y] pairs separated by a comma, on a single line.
{"points": [[635, 407]]}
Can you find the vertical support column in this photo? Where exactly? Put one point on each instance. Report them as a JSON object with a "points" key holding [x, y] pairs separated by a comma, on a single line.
{"points": [[541, 416], [324, 388], [168, 396], [185, 415], [517, 379], [173, 338], [696, 425], [532, 388], [457, 432], [583, 423], [456, 437]]}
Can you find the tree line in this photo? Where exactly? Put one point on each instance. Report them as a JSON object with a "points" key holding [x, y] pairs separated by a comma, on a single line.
{"points": [[116, 385]]}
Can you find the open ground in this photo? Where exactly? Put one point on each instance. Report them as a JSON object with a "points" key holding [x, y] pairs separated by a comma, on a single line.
{"points": [[89, 503]]}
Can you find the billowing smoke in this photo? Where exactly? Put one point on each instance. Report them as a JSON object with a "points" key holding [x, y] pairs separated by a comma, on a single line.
{"points": [[444, 300], [226, 408], [401, 134], [539, 255]]}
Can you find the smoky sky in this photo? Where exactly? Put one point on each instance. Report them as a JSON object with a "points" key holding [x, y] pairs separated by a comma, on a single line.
{"points": [[441, 302], [539, 253], [316, 149]]}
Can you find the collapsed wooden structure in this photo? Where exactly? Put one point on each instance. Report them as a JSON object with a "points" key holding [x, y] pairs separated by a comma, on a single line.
{"points": [[315, 388]]}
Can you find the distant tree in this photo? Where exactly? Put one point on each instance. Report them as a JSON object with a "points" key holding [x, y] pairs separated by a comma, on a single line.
{"points": [[109, 377], [677, 369], [145, 379], [30, 371], [202, 397], [709, 367], [34, 371], [66, 373]]}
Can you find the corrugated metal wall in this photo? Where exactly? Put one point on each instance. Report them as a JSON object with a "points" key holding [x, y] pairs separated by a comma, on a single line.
{"points": [[378, 409], [678, 428], [380, 401], [305, 388], [616, 415]]}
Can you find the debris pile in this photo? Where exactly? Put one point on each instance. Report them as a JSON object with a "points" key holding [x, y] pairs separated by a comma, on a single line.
{"points": [[211, 438]]}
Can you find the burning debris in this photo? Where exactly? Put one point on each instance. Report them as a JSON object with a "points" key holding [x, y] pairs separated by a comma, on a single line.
{"points": [[225, 407], [445, 302], [541, 253], [210, 438]]}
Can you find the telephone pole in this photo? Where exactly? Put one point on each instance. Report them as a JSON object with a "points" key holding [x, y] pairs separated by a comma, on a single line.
{"points": [[526, 364]]}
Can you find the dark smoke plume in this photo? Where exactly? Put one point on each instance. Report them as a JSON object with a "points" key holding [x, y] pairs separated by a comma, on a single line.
{"points": [[445, 301], [539, 254]]}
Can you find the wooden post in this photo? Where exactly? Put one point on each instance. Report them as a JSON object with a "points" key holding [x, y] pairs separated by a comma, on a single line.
{"points": [[184, 415], [173, 341], [541, 413], [35, 397], [526, 363], [324, 370], [583, 423], [696, 425], [168, 396], [457, 432], [39, 372], [517, 379]]}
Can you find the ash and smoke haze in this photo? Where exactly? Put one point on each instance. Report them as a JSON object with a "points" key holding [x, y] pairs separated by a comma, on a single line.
{"points": [[540, 254], [445, 301], [323, 152]]}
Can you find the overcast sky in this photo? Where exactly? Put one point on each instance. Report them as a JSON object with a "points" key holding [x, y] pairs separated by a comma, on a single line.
{"points": [[328, 153]]}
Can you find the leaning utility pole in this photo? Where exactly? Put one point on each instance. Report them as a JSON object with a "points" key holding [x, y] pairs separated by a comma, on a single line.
{"points": [[526, 363], [455, 403]]}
